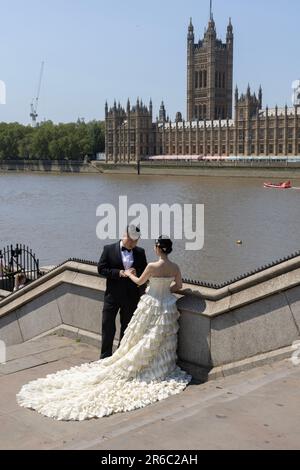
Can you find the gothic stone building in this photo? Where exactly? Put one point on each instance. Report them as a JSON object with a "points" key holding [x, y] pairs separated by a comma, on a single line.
{"points": [[210, 129]]}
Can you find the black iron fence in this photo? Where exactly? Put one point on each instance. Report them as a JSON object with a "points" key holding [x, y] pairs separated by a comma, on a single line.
{"points": [[17, 263]]}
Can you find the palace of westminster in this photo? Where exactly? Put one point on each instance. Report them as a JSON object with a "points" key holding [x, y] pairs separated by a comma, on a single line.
{"points": [[211, 128]]}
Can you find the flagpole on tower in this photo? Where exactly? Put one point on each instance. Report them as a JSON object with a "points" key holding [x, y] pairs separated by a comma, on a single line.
{"points": [[210, 11]]}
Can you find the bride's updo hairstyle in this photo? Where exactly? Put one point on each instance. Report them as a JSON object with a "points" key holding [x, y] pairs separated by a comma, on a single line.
{"points": [[165, 244]]}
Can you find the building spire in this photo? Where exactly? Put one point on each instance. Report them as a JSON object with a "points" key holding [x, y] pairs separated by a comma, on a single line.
{"points": [[229, 30], [260, 96], [162, 112], [211, 23], [191, 36]]}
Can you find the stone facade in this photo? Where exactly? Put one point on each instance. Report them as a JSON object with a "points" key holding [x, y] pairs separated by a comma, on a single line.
{"points": [[209, 74], [210, 130]]}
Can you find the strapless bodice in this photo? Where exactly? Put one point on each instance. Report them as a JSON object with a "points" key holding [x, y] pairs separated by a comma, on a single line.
{"points": [[159, 287]]}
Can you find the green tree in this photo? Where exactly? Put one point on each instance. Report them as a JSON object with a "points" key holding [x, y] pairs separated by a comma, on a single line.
{"points": [[71, 141]]}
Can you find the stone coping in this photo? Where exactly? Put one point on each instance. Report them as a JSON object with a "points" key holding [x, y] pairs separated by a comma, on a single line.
{"points": [[197, 299], [4, 293]]}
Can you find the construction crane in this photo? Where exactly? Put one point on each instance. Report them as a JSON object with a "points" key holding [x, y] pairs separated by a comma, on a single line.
{"points": [[35, 101]]}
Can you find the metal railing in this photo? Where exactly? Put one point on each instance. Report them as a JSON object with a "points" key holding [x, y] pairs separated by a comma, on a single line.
{"points": [[17, 260]]}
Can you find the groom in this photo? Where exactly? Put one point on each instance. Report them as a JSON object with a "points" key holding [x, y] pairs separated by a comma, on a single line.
{"points": [[121, 293]]}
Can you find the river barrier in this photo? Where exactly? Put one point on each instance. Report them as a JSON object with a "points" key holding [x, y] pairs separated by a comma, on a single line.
{"points": [[242, 168]]}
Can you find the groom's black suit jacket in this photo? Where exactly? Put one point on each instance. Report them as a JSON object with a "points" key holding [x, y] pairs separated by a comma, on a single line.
{"points": [[121, 290]]}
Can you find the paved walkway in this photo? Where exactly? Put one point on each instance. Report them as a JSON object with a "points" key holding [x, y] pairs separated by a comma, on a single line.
{"points": [[258, 409]]}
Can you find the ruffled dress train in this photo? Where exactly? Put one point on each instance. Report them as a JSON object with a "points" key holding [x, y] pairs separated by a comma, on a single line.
{"points": [[141, 372]]}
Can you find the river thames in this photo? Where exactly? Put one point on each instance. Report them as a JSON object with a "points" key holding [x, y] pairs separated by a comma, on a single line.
{"points": [[56, 217]]}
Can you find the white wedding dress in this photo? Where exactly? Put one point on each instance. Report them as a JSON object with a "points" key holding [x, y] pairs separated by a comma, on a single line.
{"points": [[141, 372]]}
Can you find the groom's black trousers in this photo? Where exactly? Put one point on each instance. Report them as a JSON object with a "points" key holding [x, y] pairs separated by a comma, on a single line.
{"points": [[109, 314], [121, 293]]}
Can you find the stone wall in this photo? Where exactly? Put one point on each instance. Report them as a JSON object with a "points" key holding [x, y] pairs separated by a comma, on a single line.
{"points": [[242, 169], [250, 322], [43, 166]]}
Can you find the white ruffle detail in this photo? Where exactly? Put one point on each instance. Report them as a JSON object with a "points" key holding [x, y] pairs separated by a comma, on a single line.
{"points": [[141, 372]]}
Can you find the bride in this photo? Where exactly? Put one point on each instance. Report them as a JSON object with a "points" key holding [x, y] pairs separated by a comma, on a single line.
{"points": [[141, 372]]}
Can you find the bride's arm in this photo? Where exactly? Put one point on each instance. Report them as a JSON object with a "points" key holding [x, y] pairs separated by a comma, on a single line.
{"points": [[178, 283], [140, 281]]}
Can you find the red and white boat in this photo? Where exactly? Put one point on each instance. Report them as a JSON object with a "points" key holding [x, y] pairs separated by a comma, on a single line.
{"points": [[284, 185]]}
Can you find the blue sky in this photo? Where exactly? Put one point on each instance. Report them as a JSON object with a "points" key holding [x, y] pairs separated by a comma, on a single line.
{"points": [[97, 49]]}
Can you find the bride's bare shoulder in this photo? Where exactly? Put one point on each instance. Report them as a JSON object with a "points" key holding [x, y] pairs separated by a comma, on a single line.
{"points": [[151, 266]]}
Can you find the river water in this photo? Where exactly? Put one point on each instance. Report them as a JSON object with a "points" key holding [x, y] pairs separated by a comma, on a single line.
{"points": [[56, 216]]}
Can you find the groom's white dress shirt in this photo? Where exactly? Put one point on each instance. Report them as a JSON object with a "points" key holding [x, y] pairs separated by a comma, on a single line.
{"points": [[127, 258]]}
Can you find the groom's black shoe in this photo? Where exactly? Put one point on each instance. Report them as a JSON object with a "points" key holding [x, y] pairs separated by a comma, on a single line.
{"points": [[105, 356]]}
